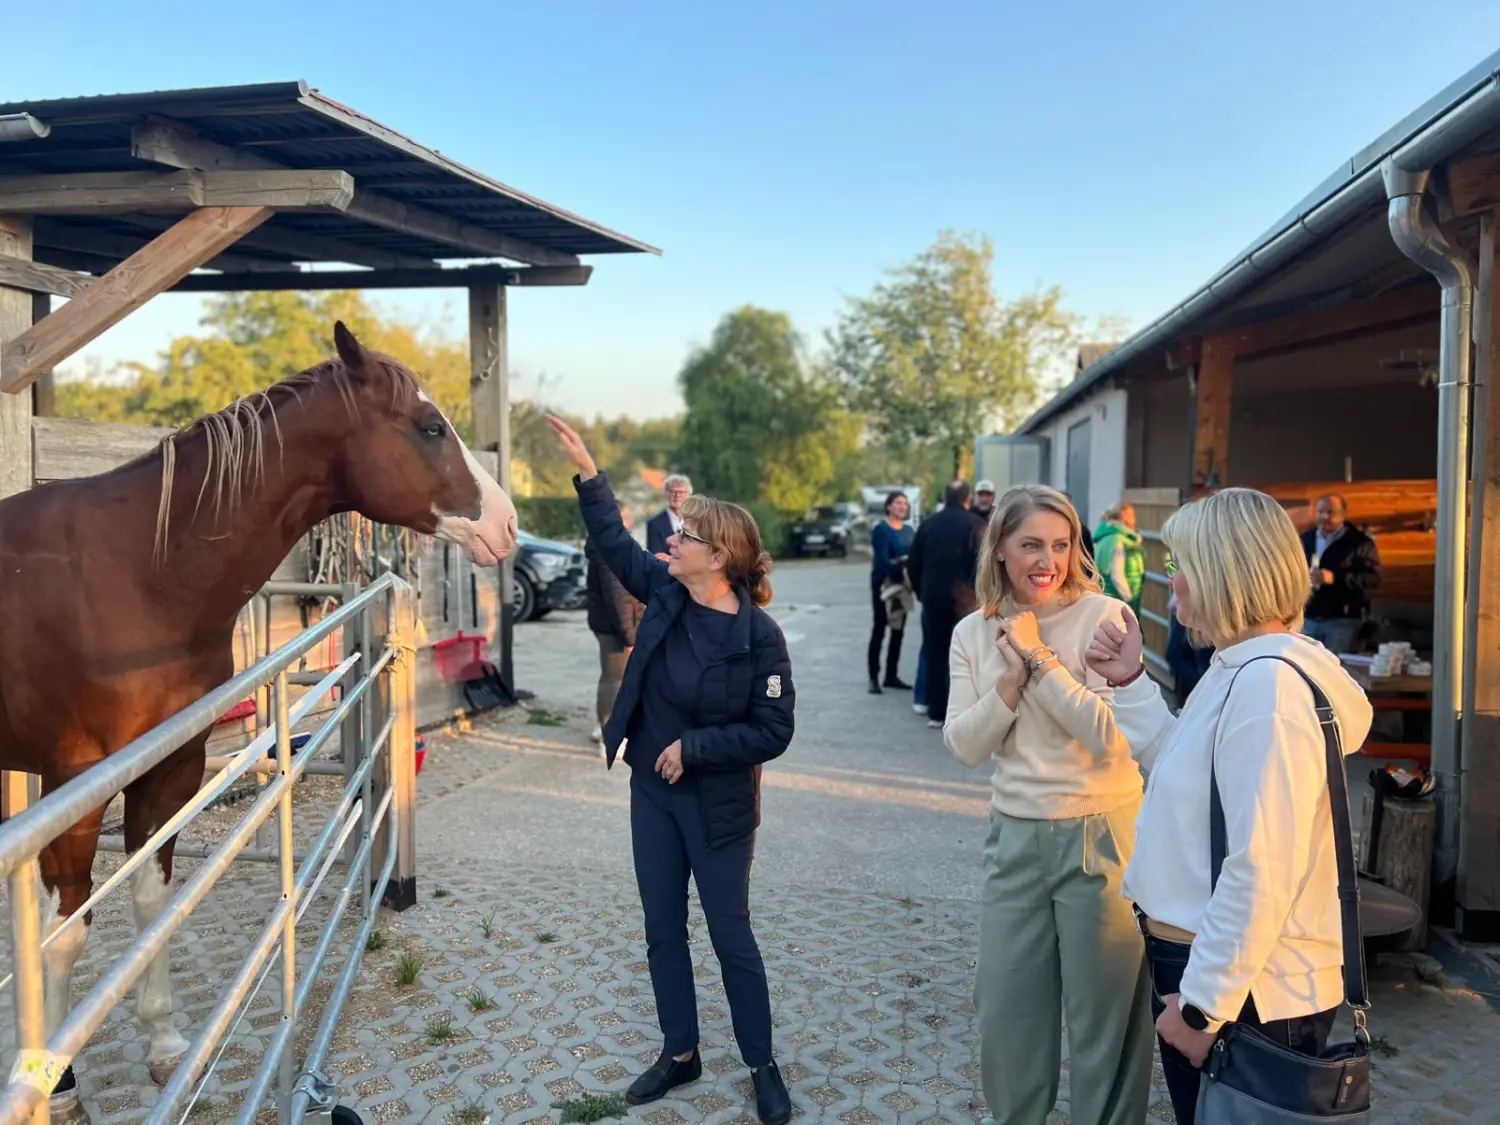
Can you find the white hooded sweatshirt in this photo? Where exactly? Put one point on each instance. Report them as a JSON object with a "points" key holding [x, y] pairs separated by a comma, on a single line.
{"points": [[1271, 929]]}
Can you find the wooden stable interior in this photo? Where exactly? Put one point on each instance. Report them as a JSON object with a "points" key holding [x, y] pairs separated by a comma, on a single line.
{"points": [[108, 201]]}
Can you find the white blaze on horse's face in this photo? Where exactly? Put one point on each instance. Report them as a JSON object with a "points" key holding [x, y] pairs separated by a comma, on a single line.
{"points": [[490, 538]]}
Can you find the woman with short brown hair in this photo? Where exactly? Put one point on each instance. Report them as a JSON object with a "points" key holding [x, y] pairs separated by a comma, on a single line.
{"points": [[707, 699]]}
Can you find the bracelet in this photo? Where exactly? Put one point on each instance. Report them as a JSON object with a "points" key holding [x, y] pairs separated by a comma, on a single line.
{"points": [[1130, 679], [1040, 659]]}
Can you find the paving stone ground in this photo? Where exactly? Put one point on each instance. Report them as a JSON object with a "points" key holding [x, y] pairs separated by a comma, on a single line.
{"points": [[528, 961]]}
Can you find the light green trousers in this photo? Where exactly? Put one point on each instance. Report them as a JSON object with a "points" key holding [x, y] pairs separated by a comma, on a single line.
{"points": [[1057, 940]]}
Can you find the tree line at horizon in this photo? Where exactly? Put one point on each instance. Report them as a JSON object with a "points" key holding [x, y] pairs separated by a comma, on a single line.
{"points": [[909, 375]]}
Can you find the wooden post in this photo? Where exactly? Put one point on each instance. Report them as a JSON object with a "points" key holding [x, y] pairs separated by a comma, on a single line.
{"points": [[1478, 886], [1403, 856], [15, 409], [44, 390], [401, 891], [489, 394], [1211, 421]]}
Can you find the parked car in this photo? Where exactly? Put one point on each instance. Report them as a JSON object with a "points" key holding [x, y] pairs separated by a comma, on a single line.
{"points": [[828, 530], [548, 575]]}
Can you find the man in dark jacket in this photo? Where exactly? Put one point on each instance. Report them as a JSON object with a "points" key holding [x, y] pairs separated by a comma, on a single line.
{"points": [[668, 521], [1344, 565], [944, 558], [613, 616]]}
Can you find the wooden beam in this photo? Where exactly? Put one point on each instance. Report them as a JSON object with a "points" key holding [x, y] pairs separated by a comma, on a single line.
{"points": [[15, 409], [69, 448], [167, 142], [44, 390], [36, 277], [489, 395], [104, 249], [1215, 398], [162, 263], [1317, 326], [460, 278], [115, 192], [1474, 184], [301, 247]]}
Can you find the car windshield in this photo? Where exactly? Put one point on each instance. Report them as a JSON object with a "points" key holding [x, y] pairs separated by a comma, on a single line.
{"points": [[826, 514]]}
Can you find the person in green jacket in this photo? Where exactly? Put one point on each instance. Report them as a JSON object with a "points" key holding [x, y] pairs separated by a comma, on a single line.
{"points": [[1120, 556]]}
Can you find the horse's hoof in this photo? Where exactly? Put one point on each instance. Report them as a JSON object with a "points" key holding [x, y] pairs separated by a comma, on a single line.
{"points": [[161, 1072], [67, 1109]]}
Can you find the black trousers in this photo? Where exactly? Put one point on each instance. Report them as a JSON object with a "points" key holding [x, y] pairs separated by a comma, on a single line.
{"points": [[1167, 960], [877, 634], [670, 842], [938, 623]]}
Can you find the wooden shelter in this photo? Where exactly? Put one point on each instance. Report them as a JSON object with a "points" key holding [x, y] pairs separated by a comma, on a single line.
{"points": [[1350, 348], [108, 201]]}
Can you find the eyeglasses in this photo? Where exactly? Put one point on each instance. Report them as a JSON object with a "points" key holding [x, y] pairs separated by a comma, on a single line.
{"points": [[691, 538], [1171, 566]]}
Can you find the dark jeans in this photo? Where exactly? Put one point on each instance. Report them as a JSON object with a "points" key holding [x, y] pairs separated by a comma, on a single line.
{"points": [[877, 634], [670, 841], [938, 623], [612, 657], [1167, 960]]}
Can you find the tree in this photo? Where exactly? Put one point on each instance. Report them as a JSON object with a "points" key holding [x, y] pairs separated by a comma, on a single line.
{"points": [[759, 427], [932, 356]]}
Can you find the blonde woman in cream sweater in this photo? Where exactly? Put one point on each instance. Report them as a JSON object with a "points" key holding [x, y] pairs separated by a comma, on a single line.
{"points": [[1056, 938]]}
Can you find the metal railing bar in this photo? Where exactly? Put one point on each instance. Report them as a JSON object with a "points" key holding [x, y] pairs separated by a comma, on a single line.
{"points": [[323, 767], [18, 1100], [254, 1094], [335, 1005], [239, 764], [24, 836]]}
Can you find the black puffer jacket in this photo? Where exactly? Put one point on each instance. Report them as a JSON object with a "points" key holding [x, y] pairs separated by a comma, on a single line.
{"points": [[611, 611], [745, 711]]}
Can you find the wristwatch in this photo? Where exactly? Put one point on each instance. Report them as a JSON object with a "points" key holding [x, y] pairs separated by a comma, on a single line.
{"points": [[1197, 1019]]}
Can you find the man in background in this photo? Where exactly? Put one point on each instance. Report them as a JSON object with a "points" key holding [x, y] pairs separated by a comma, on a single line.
{"points": [[663, 525], [944, 558], [984, 499], [1344, 565]]}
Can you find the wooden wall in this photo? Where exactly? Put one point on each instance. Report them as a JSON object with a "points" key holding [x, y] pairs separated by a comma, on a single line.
{"points": [[64, 449]]}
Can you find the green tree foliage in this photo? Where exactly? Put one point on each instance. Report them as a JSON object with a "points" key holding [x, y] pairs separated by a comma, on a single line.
{"points": [[933, 357], [760, 426], [254, 339]]}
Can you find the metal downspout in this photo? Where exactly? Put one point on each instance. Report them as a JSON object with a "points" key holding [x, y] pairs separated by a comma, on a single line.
{"points": [[1417, 235]]}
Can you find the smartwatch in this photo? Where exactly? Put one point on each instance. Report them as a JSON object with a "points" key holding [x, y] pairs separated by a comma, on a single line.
{"points": [[1197, 1019]]}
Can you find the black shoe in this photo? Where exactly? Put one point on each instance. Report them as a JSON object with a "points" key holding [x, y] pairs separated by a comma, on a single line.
{"points": [[875, 686], [665, 1075], [772, 1103], [896, 682]]}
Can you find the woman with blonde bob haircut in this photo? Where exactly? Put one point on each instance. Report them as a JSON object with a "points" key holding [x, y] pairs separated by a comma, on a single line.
{"points": [[1056, 937], [1260, 943]]}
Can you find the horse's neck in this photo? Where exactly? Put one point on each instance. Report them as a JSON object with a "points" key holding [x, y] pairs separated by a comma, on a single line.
{"points": [[215, 558]]}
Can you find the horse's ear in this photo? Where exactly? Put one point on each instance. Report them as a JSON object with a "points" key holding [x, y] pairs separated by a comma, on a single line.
{"points": [[351, 351]]}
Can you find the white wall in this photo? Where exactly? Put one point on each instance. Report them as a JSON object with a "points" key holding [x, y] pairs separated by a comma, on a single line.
{"points": [[1106, 411]]}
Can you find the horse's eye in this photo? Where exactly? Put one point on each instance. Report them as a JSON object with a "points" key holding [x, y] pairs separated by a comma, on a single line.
{"points": [[434, 429]]}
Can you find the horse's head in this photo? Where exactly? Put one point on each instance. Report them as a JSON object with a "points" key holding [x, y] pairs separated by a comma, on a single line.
{"points": [[406, 465]]}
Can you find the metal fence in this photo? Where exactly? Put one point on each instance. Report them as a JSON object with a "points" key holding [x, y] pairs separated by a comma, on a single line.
{"points": [[372, 825]]}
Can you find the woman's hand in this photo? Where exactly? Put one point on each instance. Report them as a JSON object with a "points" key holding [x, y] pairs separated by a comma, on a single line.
{"points": [[1024, 634], [1013, 679], [1193, 1045], [573, 446], [669, 765], [1115, 653]]}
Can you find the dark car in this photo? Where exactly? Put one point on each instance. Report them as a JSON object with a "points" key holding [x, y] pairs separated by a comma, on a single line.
{"points": [[828, 530], [549, 575]]}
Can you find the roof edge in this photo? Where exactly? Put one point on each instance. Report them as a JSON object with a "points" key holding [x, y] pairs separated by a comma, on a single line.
{"points": [[1428, 135]]}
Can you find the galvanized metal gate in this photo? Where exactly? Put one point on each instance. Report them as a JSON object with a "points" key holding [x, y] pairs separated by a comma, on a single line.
{"points": [[371, 824]]}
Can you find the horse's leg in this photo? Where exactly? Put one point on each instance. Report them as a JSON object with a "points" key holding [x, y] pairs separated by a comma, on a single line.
{"points": [[67, 880], [149, 803]]}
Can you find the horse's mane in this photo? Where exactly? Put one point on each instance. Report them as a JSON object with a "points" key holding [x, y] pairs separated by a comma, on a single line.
{"points": [[235, 436]]}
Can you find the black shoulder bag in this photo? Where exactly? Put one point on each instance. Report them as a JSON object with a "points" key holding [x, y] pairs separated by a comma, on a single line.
{"points": [[1251, 1080]]}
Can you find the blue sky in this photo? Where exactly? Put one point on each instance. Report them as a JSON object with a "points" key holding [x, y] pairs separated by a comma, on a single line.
{"points": [[785, 153]]}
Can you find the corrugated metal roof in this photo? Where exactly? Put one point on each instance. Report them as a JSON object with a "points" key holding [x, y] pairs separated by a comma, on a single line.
{"points": [[1337, 231], [294, 125]]}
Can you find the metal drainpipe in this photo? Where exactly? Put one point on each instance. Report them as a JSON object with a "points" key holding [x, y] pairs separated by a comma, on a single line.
{"points": [[1417, 236]]}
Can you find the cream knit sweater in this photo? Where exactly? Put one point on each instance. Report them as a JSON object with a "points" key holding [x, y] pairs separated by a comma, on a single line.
{"points": [[1059, 754]]}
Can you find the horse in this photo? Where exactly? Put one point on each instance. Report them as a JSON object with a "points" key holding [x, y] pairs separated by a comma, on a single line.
{"points": [[119, 595]]}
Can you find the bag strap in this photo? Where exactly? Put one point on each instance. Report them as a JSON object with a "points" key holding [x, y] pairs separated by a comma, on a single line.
{"points": [[1356, 985]]}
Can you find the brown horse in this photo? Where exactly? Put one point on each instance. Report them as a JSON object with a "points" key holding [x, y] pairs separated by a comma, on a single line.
{"points": [[119, 595]]}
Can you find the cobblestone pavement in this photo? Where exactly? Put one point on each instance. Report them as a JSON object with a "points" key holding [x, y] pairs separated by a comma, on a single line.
{"points": [[526, 962]]}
